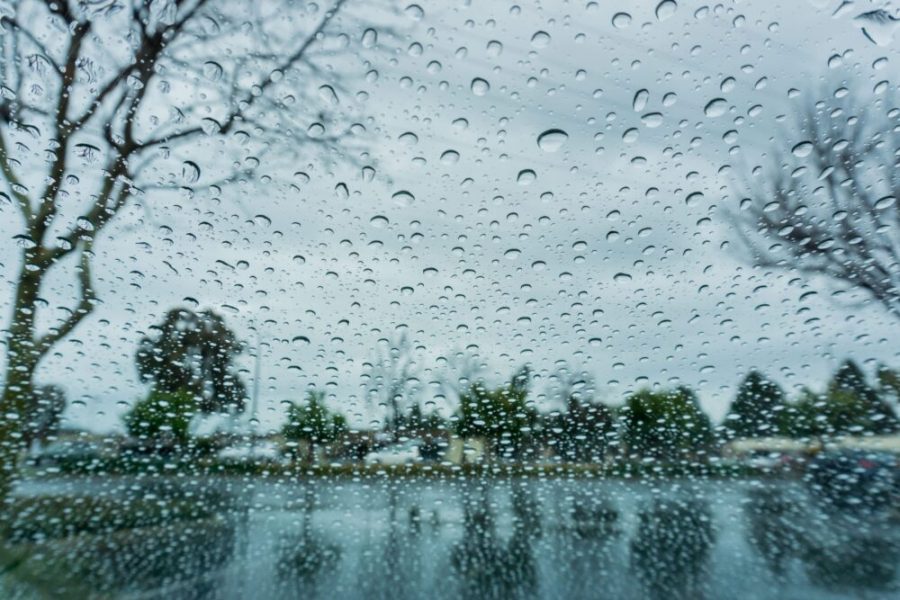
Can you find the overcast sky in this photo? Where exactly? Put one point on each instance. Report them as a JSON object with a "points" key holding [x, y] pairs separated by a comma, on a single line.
{"points": [[584, 249]]}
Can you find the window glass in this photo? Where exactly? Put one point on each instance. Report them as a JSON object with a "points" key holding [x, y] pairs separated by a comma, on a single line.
{"points": [[392, 299]]}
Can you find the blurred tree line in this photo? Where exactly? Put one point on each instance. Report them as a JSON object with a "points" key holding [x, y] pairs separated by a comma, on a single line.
{"points": [[189, 362]]}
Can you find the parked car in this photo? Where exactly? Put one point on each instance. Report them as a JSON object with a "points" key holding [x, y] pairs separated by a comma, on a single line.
{"points": [[849, 479], [67, 451], [397, 454], [262, 452]]}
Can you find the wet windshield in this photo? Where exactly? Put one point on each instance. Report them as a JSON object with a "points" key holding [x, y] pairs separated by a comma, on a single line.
{"points": [[379, 299]]}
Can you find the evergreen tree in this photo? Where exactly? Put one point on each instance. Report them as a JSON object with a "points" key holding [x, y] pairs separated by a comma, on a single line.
{"points": [[853, 406], [756, 410]]}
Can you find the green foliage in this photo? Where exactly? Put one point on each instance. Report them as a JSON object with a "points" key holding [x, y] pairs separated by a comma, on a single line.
{"points": [[756, 411], [312, 422], [162, 417], [581, 431], [416, 420], [665, 425], [195, 352], [849, 406], [501, 415], [854, 406]]}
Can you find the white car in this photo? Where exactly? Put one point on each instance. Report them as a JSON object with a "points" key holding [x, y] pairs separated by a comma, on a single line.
{"points": [[398, 454], [262, 452]]}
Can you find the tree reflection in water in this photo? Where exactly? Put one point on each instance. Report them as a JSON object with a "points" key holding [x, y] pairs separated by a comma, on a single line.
{"points": [[306, 558], [670, 551], [391, 567], [589, 536], [487, 567], [841, 550]]}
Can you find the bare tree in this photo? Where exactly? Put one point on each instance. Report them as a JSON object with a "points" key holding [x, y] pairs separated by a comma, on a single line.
{"points": [[826, 204], [104, 101]]}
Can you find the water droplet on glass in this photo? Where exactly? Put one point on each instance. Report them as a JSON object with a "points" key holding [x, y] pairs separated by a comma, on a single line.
{"points": [[716, 108], [369, 38], [552, 140], [450, 157], [621, 20], [415, 12], [540, 39], [480, 86], [327, 93], [526, 176], [802, 149], [315, 130], [190, 172], [512, 253], [403, 198], [409, 138], [886, 202], [652, 120], [621, 277], [665, 10], [379, 221], [640, 100], [212, 70]]}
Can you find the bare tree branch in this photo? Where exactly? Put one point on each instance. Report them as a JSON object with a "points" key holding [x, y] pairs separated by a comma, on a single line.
{"points": [[841, 222], [84, 307]]}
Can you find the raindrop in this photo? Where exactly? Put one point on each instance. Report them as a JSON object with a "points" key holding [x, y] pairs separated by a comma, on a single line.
{"points": [[630, 136], [369, 38], [327, 93], [450, 157], [212, 70], [652, 120], [640, 100], [621, 277], [694, 198], [621, 20], [480, 86], [315, 130], [552, 140], [526, 177], [409, 138], [494, 48], [190, 172], [300, 340], [512, 253], [541, 39], [716, 108], [665, 10], [886, 202], [802, 149], [299, 259], [403, 198], [415, 12]]}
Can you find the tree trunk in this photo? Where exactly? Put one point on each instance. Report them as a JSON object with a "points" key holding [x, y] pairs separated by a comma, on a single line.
{"points": [[22, 357]]}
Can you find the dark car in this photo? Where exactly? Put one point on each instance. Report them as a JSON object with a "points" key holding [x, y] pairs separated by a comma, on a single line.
{"points": [[854, 479]]}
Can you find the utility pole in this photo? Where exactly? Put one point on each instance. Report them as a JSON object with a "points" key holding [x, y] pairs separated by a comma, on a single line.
{"points": [[254, 403]]}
